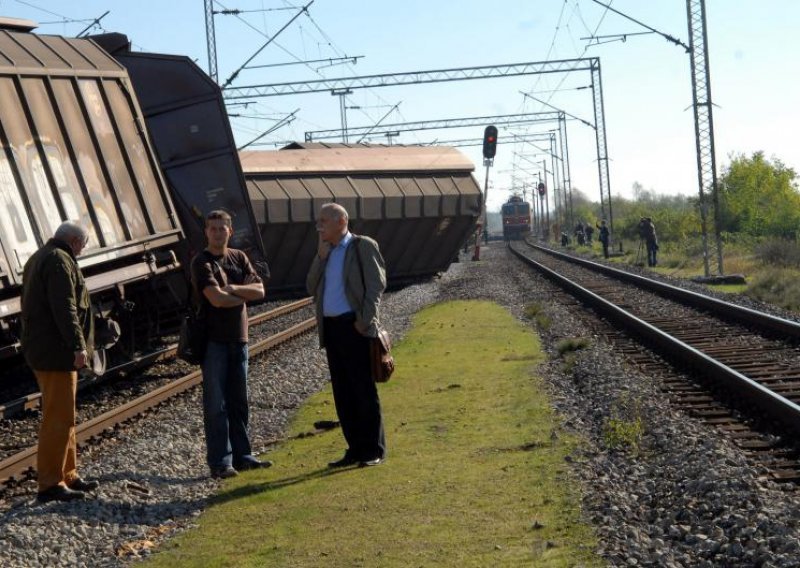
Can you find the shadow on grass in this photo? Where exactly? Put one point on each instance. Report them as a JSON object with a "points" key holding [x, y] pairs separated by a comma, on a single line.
{"points": [[255, 488]]}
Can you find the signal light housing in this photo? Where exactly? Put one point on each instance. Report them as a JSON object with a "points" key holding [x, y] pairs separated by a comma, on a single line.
{"points": [[489, 142]]}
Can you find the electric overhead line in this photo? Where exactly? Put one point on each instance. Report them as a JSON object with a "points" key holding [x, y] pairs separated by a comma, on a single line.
{"points": [[233, 76], [390, 111], [236, 11], [283, 122], [668, 37], [586, 122], [95, 22], [525, 118], [332, 60]]}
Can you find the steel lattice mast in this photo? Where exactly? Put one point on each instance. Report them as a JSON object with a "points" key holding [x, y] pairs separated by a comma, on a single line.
{"points": [[211, 40], [591, 64], [704, 129]]}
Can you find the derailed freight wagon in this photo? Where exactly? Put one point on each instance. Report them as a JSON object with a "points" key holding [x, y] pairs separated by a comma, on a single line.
{"points": [[73, 146], [189, 127], [420, 203]]}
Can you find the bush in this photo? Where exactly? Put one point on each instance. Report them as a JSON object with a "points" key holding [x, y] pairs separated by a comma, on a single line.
{"points": [[625, 427], [779, 252], [779, 286]]}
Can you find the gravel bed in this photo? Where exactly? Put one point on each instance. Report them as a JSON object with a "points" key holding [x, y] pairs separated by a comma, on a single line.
{"points": [[20, 432], [686, 498]]}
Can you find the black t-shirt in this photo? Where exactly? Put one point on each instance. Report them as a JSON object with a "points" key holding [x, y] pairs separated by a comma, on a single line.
{"points": [[224, 324]]}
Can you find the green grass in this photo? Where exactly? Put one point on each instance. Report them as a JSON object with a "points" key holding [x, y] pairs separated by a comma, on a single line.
{"points": [[729, 288], [476, 474]]}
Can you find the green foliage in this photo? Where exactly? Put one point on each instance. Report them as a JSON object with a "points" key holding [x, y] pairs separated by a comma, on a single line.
{"points": [[624, 428], [779, 286], [571, 344], [759, 197], [530, 311], [536, 313], [779, 252]]}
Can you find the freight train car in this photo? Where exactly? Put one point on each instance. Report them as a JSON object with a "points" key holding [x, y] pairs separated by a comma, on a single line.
{"points": [[516, 215], [73, 146], [188, 125], [419, 203]]}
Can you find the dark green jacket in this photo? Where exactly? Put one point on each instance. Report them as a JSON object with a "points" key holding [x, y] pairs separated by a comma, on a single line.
{"points": [[56, 314]]}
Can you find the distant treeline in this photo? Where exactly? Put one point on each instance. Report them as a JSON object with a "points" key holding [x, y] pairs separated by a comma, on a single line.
{"points": [[759, 198]]}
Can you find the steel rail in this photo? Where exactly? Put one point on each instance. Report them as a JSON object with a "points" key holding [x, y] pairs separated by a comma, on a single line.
{"points": [[738, 314], [23, 462], [32, 401], [778, 407]]}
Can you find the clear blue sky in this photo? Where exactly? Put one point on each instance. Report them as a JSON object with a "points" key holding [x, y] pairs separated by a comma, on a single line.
{"points": [[646, 80]]}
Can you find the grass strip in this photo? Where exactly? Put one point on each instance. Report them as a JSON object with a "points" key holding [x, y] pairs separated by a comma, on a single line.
{"points": [[476, 473]]}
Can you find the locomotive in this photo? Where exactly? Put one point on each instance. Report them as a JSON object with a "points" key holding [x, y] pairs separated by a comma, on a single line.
{"points": [[516, 215], [138, 148]]}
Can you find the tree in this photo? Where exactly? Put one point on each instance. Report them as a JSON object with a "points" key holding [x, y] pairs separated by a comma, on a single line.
{"points": [[759, 197]]}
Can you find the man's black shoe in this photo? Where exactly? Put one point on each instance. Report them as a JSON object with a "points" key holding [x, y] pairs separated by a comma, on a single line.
{"points": [[370, 463], [223, 472], [344, 462], [252, 464], [79, 484], [59, 493]]}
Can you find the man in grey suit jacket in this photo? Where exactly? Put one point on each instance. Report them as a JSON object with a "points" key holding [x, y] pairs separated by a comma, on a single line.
{"points": [[347, 278]]}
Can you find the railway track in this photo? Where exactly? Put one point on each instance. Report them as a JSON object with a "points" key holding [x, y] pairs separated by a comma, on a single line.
{"points": [[33, 400], [744, 365], [21, 464]]}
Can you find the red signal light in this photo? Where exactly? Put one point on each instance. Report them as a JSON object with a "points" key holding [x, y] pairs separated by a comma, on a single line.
{"points": [[489, 142]]}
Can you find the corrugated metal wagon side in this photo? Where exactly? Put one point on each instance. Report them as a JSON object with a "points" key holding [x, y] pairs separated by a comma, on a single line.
{"points": [[73, 146], [191, 133], [419, 203]]}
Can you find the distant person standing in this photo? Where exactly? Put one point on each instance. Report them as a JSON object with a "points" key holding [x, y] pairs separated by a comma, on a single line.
{"points": [[580, 236], [347, 279], [224, 280], [604, 235], [57, 341], [648, 232]]}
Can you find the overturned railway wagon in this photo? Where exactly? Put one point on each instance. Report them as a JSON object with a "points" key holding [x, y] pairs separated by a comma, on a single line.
{"points": [[189, 128], [419, 203], [73, 146]]}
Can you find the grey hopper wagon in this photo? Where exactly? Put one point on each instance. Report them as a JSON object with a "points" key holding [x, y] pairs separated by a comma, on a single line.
{"points": [[420, 204]]}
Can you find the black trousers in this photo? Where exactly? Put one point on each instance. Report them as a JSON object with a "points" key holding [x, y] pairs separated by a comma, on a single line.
{"points": [[354, 391]]}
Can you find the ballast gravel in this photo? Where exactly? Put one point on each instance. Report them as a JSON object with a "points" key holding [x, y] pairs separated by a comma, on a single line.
{"points": [[685, 497]]}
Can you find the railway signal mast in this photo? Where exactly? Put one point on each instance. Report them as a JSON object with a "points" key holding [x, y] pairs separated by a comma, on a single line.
{"points": [[489, 150]]}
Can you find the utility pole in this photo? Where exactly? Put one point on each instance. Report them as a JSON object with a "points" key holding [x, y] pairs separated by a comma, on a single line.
{"points": [[342, 94], [703, 121], [704, 129], [211, 41]]}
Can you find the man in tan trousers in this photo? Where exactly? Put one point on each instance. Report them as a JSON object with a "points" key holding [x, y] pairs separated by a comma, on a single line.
{"points": [[57, 340]]}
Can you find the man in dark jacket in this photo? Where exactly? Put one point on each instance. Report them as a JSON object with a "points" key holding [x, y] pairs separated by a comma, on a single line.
{"points": [[224, 281], [604, 236], [647, 230], [57, 341], [347, 278]]}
